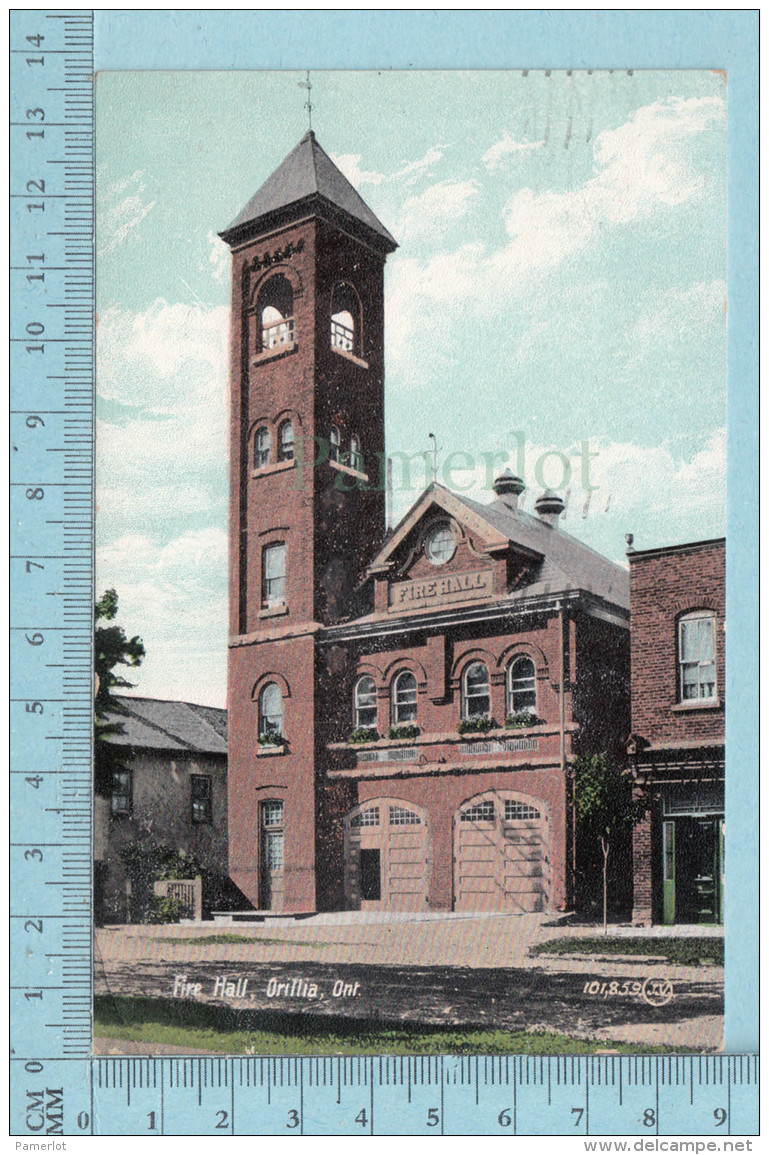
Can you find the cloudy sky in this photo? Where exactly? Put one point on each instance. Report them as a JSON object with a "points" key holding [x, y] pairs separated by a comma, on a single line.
{"points": [[561, 279]]}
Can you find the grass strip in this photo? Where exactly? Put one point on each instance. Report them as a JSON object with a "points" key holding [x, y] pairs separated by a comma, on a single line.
{"points": [[206, 939], [683, 951], [220, 1030]]}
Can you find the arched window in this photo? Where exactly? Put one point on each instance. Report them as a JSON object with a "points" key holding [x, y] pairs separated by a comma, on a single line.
{"points": [[356, 457], [476, 692], [274, 574], [364, 703], [286, 442], [345, 319], [521, 686], [404, 701], [334, 444], [697, 656], [270, 710], [275, 314], [262, 447]]}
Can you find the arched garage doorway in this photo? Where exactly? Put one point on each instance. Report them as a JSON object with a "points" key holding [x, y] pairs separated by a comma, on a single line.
{"points": [[502, 853], [387, 859]]}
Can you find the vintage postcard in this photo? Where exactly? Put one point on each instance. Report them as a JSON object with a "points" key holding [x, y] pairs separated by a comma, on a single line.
{"points": [[411, 487]]}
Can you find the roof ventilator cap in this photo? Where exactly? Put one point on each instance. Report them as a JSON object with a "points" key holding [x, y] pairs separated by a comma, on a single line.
{"points": [[508, 488], [549, 507]]}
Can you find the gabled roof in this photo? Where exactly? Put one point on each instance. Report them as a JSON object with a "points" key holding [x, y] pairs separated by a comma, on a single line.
{"points": [[307, 175], [561, 563], [153, 724]]}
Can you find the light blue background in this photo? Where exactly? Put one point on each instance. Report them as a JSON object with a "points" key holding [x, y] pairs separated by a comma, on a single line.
{"points": [[472, 39]]}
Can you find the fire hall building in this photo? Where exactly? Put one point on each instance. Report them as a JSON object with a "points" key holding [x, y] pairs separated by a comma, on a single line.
{"points": [[403, 705]]}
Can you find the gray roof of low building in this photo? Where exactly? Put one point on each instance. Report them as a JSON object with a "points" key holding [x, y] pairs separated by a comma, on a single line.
{"points": [[306, 174], [154, 724]]}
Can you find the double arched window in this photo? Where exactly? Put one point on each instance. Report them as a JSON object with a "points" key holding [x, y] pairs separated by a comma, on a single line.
{"points": [[275, 315], [345, 319], [404, 698], [476, 692], [521, 686], [271, 718], [262, 447], [286, 441], [364, 703]]}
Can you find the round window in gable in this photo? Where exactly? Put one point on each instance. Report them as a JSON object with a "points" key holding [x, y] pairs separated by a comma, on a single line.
{"points": [[440, 545]]}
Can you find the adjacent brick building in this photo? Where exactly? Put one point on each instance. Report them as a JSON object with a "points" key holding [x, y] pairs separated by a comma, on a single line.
{"points": [[678, 680], [403, 706]]}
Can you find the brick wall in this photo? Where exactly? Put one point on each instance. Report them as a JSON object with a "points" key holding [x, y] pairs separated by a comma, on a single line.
{"points": [[664, 585]]}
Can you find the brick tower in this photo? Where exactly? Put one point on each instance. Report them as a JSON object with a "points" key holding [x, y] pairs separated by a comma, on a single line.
{"points": [[306, 504]]}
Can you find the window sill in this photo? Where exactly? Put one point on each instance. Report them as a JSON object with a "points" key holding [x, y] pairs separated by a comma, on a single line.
{"points": [[350, 357], [348, 469], [274, 354], [269, 751], [697, 704], [273, 611], [277, 467]]}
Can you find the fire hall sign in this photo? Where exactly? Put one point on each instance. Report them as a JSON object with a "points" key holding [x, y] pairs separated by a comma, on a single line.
{"points": [[437, 591]]}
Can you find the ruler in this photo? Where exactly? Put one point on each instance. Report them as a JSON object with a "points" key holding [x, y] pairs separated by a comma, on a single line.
{"points": [[437, 1095], [57, 1086], [52, 389]]}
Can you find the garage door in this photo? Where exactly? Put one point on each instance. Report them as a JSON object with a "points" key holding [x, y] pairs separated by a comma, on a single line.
{"points": [[386, 856], [501, 854]]}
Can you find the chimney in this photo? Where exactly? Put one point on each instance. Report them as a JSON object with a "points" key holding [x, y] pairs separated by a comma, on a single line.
{"points": [[549, 507], [508, 487]]}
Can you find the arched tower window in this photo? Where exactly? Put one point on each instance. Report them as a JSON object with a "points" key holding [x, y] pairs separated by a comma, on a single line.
{"points": [[364, 703], [476, 692], [334, 444], [275, 315], [270, 710], [274, 574], [521, 687], [345, 319], [262, 447], [356, 457], [286, 441], [404, 703]]}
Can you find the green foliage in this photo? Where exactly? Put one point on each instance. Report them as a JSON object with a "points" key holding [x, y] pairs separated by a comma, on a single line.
{"points": [[480, 725], [406, 730], [112, 648], [604, 798], [692, 952], [163, 910], [364, 734], [147, 862], [271, 739], [210, 1028], [521, 719]]}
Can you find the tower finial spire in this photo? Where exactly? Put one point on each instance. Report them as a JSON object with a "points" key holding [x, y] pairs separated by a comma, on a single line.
{"points": [[307, 84]]}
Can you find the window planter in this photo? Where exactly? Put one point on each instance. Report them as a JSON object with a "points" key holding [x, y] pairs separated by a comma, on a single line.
{"points": [[364, 734], [521, 719], [406, 730], [480, 725]]}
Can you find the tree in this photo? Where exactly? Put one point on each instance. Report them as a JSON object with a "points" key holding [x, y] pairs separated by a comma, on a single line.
{"points": [[607, 807], [112, 648]]}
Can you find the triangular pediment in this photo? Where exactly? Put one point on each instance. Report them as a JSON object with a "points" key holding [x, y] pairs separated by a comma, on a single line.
{"points": [[435, 500]]}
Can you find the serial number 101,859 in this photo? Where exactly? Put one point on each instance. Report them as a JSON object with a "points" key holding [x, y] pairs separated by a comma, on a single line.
{"points": [[615, 987]]}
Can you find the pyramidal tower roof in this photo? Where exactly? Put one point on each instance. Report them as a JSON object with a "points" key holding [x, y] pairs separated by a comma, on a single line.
{"points": [[307, 178]]}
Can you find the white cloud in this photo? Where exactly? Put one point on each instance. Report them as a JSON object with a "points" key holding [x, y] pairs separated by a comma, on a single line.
{"points": [[440, 205], [122, 207], [424, 164], [641, 168], [494, 157], [218, 258], [349, 164], [174, 596]]}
